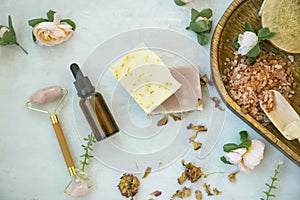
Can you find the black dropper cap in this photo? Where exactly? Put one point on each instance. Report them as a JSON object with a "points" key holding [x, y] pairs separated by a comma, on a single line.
{"points": [[82, 83]]}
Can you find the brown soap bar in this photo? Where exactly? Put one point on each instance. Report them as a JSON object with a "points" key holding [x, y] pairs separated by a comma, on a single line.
{"points": [[186, 97]]}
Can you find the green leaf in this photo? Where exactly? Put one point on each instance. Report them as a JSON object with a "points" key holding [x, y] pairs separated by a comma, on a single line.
{"points": [[252, 60], [9, 37], [243, 136], [70, 22], [265, 34], [34, 22], [194, 14], [50, 15], [254, 51], [179, 3], [230, 146], [224, 160], [235, 42], [248, 27], [206, 13], [199, 26], [10, 26], [33, 37], [202, 39], [245, 144], [2, 42]]}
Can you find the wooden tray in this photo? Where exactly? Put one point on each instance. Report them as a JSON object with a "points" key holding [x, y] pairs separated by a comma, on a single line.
{"points": [[230, 25]]}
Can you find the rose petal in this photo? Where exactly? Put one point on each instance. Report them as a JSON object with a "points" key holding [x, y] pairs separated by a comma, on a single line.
{"points": [[243, 167], [233, 157]]}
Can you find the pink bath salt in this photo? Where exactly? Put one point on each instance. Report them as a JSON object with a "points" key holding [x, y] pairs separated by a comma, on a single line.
{"points": [[79, 189], [188, 96], [45, 95]]}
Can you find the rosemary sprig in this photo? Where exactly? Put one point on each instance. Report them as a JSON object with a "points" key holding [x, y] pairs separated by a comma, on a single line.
{"points": [[88, 147], [272, 186]]}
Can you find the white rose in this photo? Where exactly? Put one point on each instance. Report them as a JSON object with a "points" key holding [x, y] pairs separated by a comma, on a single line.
{"points": [[3, 30], [52, 33], [247, 41]]}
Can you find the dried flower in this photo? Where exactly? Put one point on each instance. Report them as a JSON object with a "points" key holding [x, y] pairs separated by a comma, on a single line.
{"points": [[185, 192], [156, 193], [216, 191], [198, 195], [147, 172], [232, 176], [51, 31], [191, 173], [8, 35], [207, 189], [163, 121], [129, 185], [175, 117], [217, 103], [197, 145], [197, 128]]}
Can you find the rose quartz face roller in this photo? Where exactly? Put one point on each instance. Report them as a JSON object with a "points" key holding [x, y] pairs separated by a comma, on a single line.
{"points": [[42, 97]]}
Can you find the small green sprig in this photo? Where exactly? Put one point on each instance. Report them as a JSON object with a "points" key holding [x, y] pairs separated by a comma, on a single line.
{"points": [[272, 186], [245, 143], [8, 35], [179, 3], [262, 34], [91, 140], [201, 24]]}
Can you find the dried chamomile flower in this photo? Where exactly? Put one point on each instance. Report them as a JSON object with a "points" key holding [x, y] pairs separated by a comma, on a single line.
{"points": [[198, 195], [185, 192], [191, 173], [207, 189], [156, 193], [232, 176], [129, 185], [147, 172]]}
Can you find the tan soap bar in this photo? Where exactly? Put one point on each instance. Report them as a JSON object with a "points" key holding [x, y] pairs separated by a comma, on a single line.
{"points": [[186, 97]]}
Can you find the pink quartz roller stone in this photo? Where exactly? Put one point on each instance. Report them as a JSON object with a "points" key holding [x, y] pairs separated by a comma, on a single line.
{"points": [[46, 95], [79, 189]]}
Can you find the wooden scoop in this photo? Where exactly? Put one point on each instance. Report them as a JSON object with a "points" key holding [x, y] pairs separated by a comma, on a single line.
{"points": [[284, 117]]}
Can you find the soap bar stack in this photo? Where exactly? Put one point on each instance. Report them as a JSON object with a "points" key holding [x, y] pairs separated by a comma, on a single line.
{"points": [[156, 87]]}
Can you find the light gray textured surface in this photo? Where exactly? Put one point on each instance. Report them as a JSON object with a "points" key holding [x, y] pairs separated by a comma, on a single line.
{"points": [[31, 165]]}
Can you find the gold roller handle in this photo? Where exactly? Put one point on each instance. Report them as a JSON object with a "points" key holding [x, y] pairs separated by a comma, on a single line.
{"points": [[63, 144]]}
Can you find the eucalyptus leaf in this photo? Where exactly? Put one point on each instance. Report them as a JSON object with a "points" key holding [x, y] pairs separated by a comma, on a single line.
{"points": [[230, 147], [248, 27], [194, 14], [243, 136], [34, 22], [70, 22], [206, 13], [199, 26], [202, 39], [50, 15], [224, 160], [179, 3], [265, 34], [235, 42], [254, 51]]}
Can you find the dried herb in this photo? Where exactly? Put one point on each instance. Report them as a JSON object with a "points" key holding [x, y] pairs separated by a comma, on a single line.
{"points": [[88, 147], [147, 172], [129, 185], [272, 186]]}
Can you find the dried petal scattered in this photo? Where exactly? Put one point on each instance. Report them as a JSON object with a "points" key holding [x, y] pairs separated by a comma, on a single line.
{"points": [[156, 193], [207, 189], [216, 191], [232, 176], [147, 172], [198, 195], [191, 173], [185, 192], [163, 121], [197, 128]]}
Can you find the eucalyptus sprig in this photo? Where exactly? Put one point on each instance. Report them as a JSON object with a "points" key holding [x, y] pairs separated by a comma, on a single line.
{"points": [[262, 34], [8, 35], [91, 140], [201, 24], [245, 143], [272, 186]]}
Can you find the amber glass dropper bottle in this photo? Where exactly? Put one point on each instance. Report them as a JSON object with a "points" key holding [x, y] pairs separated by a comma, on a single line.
{"points": [[93, 106]]}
